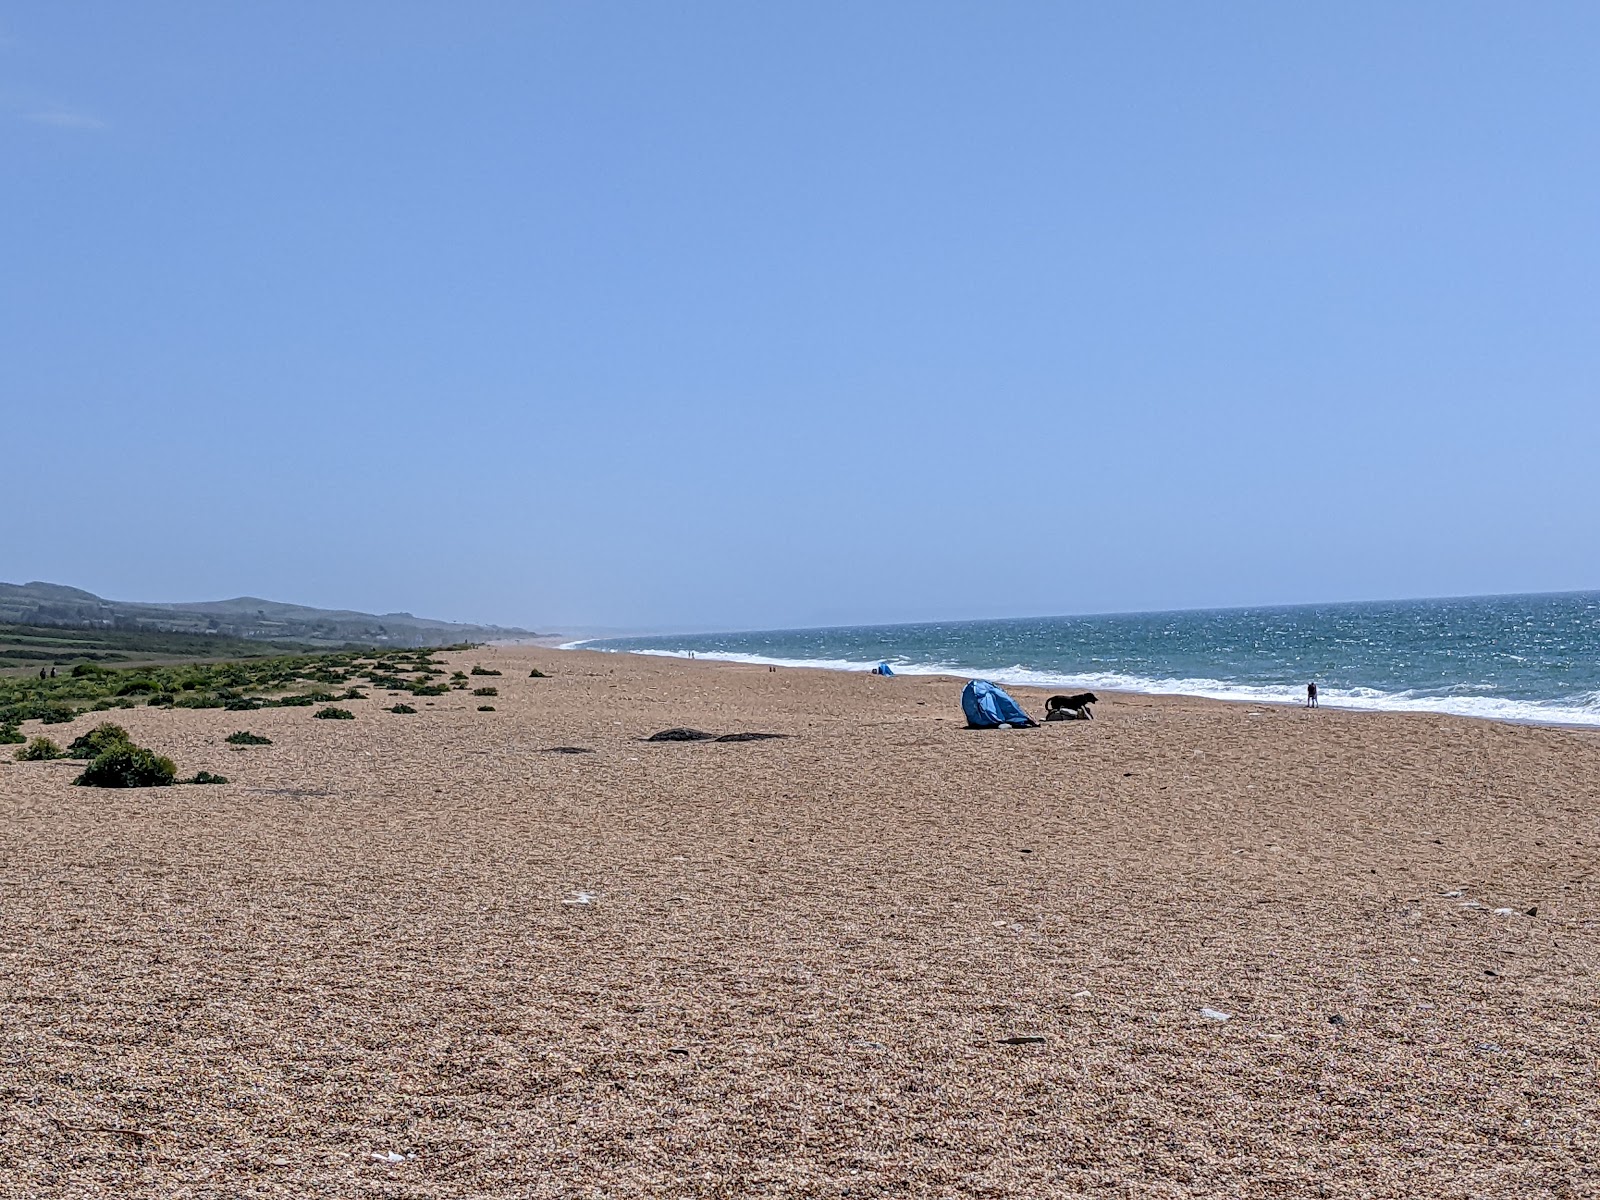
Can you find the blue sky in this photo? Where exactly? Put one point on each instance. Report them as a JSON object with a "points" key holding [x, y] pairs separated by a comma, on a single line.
{"points": [[728, 315]]}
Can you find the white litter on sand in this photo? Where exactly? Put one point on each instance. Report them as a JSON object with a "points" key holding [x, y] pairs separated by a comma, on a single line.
{"points": [[1215, 1014], [580, 898]]}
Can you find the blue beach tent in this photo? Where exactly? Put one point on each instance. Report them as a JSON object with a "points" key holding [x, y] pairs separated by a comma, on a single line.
{"points": [[987, 706], [882, 669]]}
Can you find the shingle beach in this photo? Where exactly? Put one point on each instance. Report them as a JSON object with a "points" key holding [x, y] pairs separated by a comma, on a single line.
{"points": [[1186, 949]]}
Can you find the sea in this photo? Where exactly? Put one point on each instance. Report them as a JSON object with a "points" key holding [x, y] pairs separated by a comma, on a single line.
{"points": [[1533, 658]]}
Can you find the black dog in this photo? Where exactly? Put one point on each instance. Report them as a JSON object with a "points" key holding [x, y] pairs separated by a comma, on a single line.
{"points": [[1077, 706]]}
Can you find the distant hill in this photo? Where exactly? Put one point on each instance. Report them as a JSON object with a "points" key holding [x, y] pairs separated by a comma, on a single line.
{"points": [[245, 617]]}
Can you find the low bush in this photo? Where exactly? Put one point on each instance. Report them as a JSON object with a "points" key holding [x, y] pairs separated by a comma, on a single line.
{"points": [[205, 777], [245, 738], [128, 766], [55, 714], [10, 735], [161, 700], [97, 741], [334, 714], [352, 694], [296, 701], [402, 708], [477, 670], [244, 704], [486, 691], [485, 708], [428, 689], [537, 674], [198, 700], [40, 749]]}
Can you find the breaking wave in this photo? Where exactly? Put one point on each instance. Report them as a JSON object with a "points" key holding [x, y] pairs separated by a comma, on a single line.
{"points": [[1464, 700]]}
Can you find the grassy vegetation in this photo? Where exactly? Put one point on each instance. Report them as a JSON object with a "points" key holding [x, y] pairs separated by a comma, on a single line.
{"points": [[477, 670], [486, 691], [282, 680], [33, 646], [287, 680]]}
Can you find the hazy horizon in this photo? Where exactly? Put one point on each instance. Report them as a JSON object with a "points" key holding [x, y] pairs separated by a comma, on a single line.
{"points": [[580, 316], [592, 631]]}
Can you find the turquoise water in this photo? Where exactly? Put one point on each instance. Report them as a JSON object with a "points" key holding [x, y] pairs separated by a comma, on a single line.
{"points": [[1519, 658]]}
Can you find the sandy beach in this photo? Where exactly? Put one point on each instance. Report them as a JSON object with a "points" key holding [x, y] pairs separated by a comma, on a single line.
{"points": [[430, 955]]}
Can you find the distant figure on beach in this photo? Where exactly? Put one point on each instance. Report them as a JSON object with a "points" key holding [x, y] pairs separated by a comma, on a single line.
{"points": [[41, 672], [52, 672], [1311, 695]]}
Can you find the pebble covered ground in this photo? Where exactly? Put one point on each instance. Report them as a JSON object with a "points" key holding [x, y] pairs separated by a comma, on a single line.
{"points": [[1186, 949]]}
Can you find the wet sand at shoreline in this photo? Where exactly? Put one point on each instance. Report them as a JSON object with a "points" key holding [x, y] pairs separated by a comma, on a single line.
{"points": [[803, 964]]}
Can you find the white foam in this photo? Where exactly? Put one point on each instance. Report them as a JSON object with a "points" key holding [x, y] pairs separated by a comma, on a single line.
{"points": [[1583, 709]]}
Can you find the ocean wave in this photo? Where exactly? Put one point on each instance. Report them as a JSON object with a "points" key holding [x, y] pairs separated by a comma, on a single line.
{"points": [[1581, 709]]}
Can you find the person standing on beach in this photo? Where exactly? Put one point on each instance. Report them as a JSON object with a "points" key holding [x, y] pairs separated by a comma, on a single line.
{"points": [[1311, 695]]}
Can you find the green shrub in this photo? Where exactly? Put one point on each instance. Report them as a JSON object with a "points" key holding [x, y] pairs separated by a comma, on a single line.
{"points": [[198, 700], [40, 749], [10, 735], [402, 708], [205, 777], [98, 740], [128, 766], [334, 714], [55, 714], [245, 738], [428, 689], [485, 708], [296, 701], [161, 700], [352, 694], [537, 674], [458, 676], [136, 687], [486, 691], [477, 670]]}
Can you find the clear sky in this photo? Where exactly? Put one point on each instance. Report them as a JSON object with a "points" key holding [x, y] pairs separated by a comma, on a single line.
{"points": [[730, 314]]}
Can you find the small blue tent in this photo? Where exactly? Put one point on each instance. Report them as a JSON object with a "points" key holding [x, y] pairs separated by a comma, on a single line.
{"points": [[882, 669], [987, 706]]}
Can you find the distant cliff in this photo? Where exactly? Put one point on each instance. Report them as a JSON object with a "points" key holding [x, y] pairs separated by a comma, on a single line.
{"points": [[245, 617]]}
